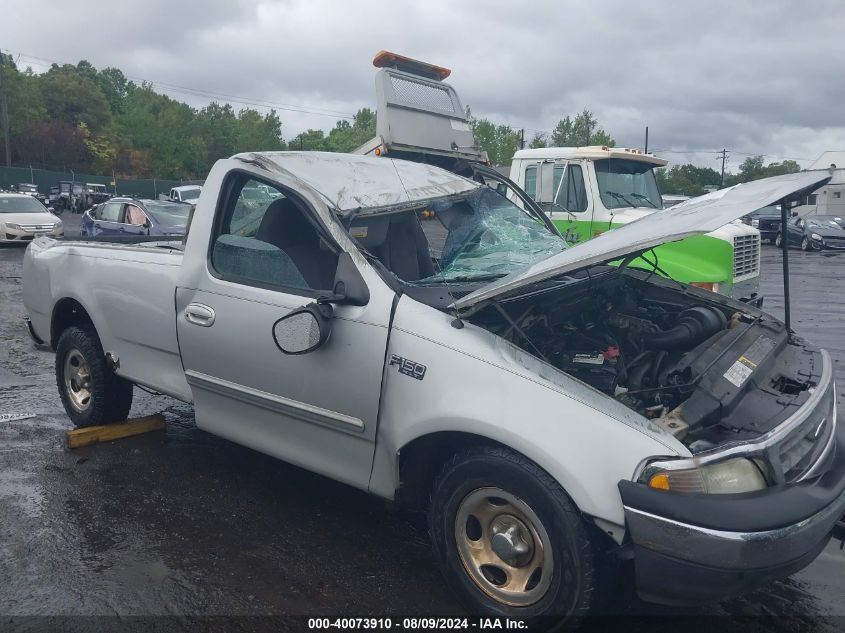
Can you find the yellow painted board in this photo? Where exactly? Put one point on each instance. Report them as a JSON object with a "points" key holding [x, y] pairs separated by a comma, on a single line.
{"points": [[94, 434]]}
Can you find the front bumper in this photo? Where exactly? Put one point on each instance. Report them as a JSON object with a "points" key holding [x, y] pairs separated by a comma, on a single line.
{"points": [[831, 245], [702, 552], [20, 236]]}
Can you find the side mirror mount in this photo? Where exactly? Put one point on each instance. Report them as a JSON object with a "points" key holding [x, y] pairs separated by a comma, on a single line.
{"points": [[795, 214], [304, 329], [147, 223], [349, 286]]}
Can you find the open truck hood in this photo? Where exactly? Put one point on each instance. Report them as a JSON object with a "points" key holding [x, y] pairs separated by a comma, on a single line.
{"points": [[693, 217]]}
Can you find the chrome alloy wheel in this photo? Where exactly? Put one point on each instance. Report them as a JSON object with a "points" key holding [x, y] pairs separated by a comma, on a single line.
{"points": [[77, 380], [504, 547]]}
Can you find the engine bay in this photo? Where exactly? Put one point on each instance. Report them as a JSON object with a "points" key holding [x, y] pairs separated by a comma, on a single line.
{"points": [[707, 371]]}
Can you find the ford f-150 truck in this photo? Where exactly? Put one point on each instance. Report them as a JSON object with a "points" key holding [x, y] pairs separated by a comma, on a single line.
{"points": [[542, 407]]}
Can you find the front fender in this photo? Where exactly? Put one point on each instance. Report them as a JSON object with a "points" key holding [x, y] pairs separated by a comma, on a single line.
{"points": [[477, 383]]}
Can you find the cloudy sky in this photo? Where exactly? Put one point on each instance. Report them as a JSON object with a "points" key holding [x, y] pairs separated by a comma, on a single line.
{"points": [[763, 77]]}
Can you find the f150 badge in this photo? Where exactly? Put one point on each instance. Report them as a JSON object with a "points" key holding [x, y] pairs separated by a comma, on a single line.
{"points": [[408, 367]]}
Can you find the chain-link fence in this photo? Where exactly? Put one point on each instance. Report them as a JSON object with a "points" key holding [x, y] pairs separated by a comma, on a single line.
{"points": [[44, 179]]}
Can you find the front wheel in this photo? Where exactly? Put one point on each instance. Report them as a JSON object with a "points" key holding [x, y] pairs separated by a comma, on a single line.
{"points": [[91, 392], [778, 240], [805, 244], [509, 540]]}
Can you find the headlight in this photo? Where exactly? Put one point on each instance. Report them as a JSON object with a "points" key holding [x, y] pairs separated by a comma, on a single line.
{"points": [[14, 227], [58, 225], [815, 236], [755, 222], [727, 477]]}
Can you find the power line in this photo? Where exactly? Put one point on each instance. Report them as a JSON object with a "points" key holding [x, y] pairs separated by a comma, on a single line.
{"points": [[205, 93]]}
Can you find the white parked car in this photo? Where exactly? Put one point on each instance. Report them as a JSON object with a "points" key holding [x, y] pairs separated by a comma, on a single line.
{"points": [[23, 217], [544, 408]]}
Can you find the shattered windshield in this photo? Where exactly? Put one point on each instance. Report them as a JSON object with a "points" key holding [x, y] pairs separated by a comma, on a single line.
{"points": [[486, 236], [627, 183]]}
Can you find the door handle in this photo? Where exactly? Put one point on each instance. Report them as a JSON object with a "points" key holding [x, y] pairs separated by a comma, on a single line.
{"points": [[199, 314], [96, 225]]}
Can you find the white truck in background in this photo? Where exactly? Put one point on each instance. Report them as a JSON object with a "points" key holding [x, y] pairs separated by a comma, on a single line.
{"points": [[186, 193], [589, 190]]}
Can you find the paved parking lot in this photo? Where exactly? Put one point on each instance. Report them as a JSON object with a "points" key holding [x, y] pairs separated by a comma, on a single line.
{"points": [[184, 523]]}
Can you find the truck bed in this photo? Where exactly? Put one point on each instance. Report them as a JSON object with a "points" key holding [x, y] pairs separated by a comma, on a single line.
{"points": [[128, 290]]}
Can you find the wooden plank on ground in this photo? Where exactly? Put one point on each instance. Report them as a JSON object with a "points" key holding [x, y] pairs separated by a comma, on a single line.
{"points": [[94, 434]]}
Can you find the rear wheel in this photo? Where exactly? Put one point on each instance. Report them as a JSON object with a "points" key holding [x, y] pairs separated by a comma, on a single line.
{"points": [[90, 391], [509, 540]]}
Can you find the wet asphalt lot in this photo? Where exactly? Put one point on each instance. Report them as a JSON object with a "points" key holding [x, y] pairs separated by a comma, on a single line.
{"points": [[182, 523]]}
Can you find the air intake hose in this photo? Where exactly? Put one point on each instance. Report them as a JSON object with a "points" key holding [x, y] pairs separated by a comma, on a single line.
{"points": [[693, 326]]}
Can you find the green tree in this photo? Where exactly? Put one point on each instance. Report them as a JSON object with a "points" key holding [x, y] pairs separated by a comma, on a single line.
{"points": [[309, 141], [754, 168], [115, 87], [580, 131], [499, 141], [255, 132], [72, 96], [347, 136], [687, 180], [538, 140]]}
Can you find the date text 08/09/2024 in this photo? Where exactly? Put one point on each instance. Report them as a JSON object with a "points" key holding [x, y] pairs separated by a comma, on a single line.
{"points": [[417, 624]]}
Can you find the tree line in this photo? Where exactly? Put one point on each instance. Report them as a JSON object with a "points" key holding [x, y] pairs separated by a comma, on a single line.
{"points": [[691, 180], [98, 121]]}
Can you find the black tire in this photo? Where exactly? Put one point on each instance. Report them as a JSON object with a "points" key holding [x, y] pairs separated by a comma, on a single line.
{"points": [[805, 245], [778, 240], [110, 395], [570, 589]]}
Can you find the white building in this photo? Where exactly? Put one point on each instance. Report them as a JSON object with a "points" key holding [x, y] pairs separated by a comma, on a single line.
{"points": [[830, 199]]}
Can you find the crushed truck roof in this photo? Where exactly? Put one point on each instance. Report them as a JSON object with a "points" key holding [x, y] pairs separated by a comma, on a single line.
{"points": [[350, 182]]}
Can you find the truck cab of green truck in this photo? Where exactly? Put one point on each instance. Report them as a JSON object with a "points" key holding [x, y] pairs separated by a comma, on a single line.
{"points": [[589, 190]]}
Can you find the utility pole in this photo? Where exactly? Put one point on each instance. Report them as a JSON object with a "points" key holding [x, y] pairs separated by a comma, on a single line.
{"points": [[4, 113], [724, 154], [645, 151], [522, 138]]}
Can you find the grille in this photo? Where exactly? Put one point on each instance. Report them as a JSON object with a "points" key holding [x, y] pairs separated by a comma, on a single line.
{"points": [[423, 96], [31, 228], [746, 255]]}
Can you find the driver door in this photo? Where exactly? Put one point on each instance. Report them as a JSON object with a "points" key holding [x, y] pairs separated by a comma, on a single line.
{"points": [[563, 195], [795, 231], [318, 410]]}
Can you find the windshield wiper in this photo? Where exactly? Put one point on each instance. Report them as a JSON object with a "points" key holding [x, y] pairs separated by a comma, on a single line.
{"points": [[479, 277], [620, 196], [640, 196], [464, 278]]}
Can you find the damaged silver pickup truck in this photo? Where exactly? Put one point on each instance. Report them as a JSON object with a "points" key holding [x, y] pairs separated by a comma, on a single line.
{"points": [[545, 405]]}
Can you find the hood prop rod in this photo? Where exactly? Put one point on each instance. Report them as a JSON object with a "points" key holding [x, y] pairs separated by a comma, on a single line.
{"points": [[785, 206]]}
